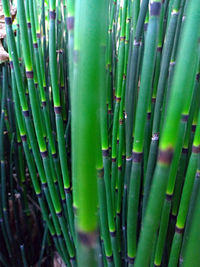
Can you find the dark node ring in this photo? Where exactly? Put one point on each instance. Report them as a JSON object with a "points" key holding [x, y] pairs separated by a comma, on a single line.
{"points": [[153, 100], [122, 38], [35, 45], [38, 35], [89, 239], [169, 197], [124, 77], [11, 64], [52, 15], [59, 236], [198, 76], [173, 216], [159, 48], [67, 190], [45, 88], [59, 214], [155, 9], [118, 99], [198, 174], [179, 230], [29, 25], [70, 23], [8, 21], [57, 110], [145, 27], [29, 74], [72, 258], [184, 150], [100, 173], [114, 159], [148, 115], [62, 87], [105, 152], [113, 234], [196, 149], [26, 113], [165, 156], [56, 182], [63, 201], [19, 143], [137, 157], [53, 236], [119, 168], [193, 128], [44, 154], [39, 195], [131, 260], [44, 185], [54, 155], [184, 117], [44, 103], [109, 258]]}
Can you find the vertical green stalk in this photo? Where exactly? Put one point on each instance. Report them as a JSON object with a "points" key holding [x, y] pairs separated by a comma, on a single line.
{"points": [[169, 136], [143, 100]]}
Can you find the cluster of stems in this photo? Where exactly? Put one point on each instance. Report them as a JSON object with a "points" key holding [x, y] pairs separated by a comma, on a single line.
{"points": [[100, 132]]}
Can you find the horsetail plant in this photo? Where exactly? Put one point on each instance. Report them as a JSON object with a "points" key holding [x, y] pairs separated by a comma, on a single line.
{"points": [[99, 133]]}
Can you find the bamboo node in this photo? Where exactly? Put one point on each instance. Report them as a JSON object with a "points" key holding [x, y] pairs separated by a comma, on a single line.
{"points": [[109, 258], [44, 186], [52, 14], [193, 128], [39, 195], [44, 154], [114, 159], [57, 110], [44, 103], [131, 260], [100, 173], [179, 230], [145, 27], [29, 74], [67, 190], [198, 174], [169, 197], [29, 25], [184, 150], [184, 117], [35, 45], [165, 156], [196, 149], [59, 214], [105, 152], [8, 20], [113, 234], [89, 239], [26, 113], [155, 9], [137, 156], [70, 23]]}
